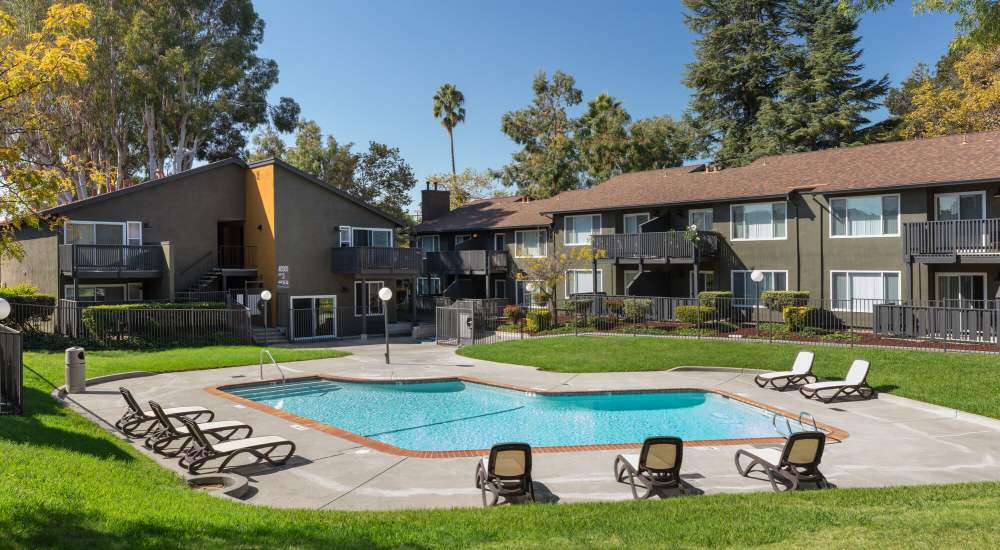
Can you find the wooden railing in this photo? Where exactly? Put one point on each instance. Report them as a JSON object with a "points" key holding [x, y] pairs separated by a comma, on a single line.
{"points": [[377, 260], [951, 238], [100, 258], [668, 244], [458, 262]]}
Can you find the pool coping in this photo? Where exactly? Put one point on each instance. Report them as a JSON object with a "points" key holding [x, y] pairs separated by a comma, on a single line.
{"points": [[831, 431]]}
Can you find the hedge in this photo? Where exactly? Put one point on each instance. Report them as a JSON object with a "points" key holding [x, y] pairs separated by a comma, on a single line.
{"points": [[27, 319], [711, 298], [637, 308], [695, 314], [778, 300], [103, 320]]}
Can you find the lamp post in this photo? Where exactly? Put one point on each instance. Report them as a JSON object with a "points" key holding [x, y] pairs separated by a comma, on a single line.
{"points": [[385, 294], [757, 276], [266, 296]]}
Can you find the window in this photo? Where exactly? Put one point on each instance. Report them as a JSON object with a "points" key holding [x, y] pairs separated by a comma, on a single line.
{"points": [[522, 296], [758, 222], [113, 294], [84, 232], [500, 288], [964, 290], [459, 239], [313, 317], [429, 243], [362, 236], [876, 216], [133, 233], [580, 281], [706, 281], [701, 218], [429, 285], [345, 236], [500, 242], [529, 244], [960, 206], [745, 290], [860, 290], [629, 275], [369, 293], [578, 229], [634, 221]]}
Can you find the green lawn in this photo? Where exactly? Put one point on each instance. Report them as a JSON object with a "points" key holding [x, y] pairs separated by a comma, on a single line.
{"points": [[65, 483], [969, 382]]}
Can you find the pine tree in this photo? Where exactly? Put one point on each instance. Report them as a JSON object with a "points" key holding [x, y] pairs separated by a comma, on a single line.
{"points": [[736, 68], [603, 138], [821, 98]]}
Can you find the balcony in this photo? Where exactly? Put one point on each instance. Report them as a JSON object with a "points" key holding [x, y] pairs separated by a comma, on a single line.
{"points": [[950, 242], [669, 247], [466, 262], [370, 260], [111, 261]]}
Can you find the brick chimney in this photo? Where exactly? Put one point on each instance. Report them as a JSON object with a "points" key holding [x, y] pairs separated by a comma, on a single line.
{"points": [[434, 203]]}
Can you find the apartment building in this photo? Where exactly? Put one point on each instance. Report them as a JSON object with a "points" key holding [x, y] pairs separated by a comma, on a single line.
{"points": [[228, 227], [914, 220]]}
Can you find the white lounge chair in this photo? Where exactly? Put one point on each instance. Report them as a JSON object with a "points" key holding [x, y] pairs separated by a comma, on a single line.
{"points": [[801, 373], [135, 416], [202, 450], [855, 383]]}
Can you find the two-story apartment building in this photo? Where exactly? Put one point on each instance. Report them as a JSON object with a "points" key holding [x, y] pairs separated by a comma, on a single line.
{"points": [[226, 226], [914, 220]]}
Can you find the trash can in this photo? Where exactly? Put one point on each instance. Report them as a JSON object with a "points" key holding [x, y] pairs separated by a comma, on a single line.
{"points": [[76, 370]]}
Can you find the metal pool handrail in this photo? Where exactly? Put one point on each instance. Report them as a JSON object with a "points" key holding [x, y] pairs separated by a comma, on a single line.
{"points": [[260, 365]]}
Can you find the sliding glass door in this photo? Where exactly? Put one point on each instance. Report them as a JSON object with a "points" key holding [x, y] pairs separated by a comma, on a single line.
{"points": [[313, 317]]}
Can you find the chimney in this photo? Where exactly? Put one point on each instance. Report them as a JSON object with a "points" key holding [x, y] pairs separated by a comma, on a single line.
{"points": [[434, 203]]}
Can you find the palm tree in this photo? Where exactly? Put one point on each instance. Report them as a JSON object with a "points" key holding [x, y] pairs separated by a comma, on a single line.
{"points": [[448, 106]]}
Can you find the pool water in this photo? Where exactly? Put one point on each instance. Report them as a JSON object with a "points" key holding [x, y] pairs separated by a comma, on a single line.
{"points": [[455, 415]]}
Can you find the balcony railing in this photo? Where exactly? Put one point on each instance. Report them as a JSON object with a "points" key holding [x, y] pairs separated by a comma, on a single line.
{"points": [[466, 262], [377, 260], [111, 259], [952, 238], [668, 245], [237, 257]]}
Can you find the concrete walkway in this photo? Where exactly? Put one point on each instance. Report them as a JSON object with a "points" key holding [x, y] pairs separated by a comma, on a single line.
{"points": [[892, 441]]}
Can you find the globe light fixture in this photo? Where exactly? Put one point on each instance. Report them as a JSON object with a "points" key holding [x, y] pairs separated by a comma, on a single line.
{"points": [[385, 294], [4, 309]]}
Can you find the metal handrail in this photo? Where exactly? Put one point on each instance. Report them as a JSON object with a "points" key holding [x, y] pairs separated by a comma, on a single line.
{"points": [[260, 365]]}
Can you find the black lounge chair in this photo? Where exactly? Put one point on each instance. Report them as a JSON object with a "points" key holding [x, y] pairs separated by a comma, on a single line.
{"points": [[167, 433], [855, 383], [505, 473], [134, 416], [788, 468], [657, 466], [202, 450], [801, 373]]}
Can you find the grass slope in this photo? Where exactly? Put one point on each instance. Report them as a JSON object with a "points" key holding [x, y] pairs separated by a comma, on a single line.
{"points": [[65, 483], [968, 382]]}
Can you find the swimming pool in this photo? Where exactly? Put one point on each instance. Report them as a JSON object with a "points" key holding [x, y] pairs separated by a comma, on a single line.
{"points": [[453, 415]]}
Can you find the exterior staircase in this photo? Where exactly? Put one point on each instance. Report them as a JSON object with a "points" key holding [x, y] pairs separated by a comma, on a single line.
{"points": [[263, 336], [207, 282]]}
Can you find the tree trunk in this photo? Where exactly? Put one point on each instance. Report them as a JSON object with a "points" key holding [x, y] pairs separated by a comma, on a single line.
{"points": [[149, 121], [454, 177]]}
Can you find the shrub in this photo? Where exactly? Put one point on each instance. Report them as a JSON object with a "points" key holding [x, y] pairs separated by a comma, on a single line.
{"points": [[513, 313], [538, 320], [637, 309], [778, 300], [796, 317], [614, 305], [579, 305], [38, 308], [104, 319], [695, 314], [715, 298]]}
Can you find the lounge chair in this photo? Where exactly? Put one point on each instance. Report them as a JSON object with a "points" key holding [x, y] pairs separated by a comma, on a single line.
{"points": [[801, 373], [168, 433], [855, 383], [134, 416], [788, 468], [505, 473], [202, 450], [657, 466]]}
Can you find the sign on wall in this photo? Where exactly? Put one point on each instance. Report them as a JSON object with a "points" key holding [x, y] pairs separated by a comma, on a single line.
{"points": [[283, 281]]}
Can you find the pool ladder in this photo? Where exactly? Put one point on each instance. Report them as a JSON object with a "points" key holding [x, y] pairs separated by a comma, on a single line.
{"points": [[260, 364], [788, 423]]}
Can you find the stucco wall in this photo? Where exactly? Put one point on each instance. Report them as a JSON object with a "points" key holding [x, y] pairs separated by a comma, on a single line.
{"points": [[39, 265]]}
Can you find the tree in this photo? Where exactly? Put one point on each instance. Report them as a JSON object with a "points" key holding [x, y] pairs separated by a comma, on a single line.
{"points": [[267, 144], [382, 178], [548, 161], [821, 98], [603, 138], [468, 185], [658, 142], [971, 105], [448, 106], [549, 272], [736, 68], [35, 70], [978, 21]]}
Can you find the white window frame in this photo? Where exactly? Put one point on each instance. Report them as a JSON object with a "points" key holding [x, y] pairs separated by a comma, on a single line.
{"points": [[732, 284], [428, 286], [500, 247], [542, 244], [524, 292], [351, 229], [313, 297], [599, 284], [459, 239], [500, 284], [340, 237], [381, 304], [847, 221], [983, 274], [882, 272], [94, 223], [435, 238], [732, 221], [982, 213], [595, 229], [129, 224], [702, 273], [626, 217], [711, 215]]}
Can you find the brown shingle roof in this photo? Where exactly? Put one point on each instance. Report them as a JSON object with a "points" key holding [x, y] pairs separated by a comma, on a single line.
{"points": [[949, 159], [497, 213]]}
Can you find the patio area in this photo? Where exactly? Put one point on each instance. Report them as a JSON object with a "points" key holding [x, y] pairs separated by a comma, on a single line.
{"points": [[892, 441]]}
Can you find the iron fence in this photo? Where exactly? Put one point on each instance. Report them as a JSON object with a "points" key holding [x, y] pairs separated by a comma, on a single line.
{"points": [[11, 372], [858, 322]]}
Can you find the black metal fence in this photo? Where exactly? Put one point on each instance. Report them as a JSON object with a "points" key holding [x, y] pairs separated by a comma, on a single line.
{"points": [[11, 372], [876, 323]]}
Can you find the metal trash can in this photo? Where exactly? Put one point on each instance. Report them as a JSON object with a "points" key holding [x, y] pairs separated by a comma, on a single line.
{"points": [[76, 370]]}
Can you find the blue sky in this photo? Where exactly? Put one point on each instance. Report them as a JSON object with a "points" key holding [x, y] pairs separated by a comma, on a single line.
{"points": [[367, 70]]}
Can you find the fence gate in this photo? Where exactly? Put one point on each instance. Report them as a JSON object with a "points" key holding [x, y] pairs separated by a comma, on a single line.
{"points": [[455, 325]]}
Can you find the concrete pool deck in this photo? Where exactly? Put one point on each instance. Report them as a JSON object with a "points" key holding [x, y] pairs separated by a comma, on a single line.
{"points": [[892, 441]]}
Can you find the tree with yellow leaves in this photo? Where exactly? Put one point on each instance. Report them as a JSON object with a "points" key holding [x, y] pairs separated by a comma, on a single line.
{"points": [[34, 69], [549, 272], [970, 105]]}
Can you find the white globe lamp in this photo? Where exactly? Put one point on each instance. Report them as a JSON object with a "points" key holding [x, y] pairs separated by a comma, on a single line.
{"points": [[4, 309], [385, 294]]}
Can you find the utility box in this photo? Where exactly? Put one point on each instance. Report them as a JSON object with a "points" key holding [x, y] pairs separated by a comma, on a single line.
{"points": [[76, 370]]}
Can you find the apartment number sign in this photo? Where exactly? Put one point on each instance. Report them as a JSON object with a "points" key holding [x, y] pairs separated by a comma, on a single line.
{"points": [[283, 276]]}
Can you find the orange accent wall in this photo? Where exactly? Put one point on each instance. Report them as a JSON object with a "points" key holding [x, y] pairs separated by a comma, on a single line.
{"points": [[260, 212]]}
